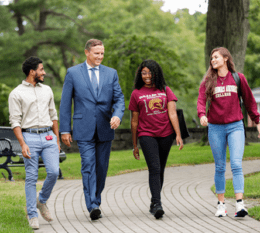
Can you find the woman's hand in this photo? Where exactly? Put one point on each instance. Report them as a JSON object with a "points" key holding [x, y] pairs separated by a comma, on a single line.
{"points": [[179, 142], [258, 129], [204, 121], [136, 153]]}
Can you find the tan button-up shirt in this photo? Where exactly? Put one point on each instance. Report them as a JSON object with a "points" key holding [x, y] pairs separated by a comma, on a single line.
{"points": [[32, 106]]}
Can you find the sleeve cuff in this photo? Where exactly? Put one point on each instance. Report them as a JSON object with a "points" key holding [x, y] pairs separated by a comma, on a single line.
{"points": [[14, 125], [55, 118]]}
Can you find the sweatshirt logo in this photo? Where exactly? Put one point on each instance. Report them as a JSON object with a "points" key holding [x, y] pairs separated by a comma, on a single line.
{"points": [[223, 91]]}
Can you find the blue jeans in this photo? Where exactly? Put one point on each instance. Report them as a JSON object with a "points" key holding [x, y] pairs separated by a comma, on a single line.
{"points": [[219, 136], [49, 152]]}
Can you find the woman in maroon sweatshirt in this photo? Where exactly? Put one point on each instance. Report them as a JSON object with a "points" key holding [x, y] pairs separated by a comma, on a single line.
{"points": [[225, 125]]}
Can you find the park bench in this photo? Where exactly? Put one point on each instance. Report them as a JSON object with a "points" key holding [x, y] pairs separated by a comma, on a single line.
{"points": [[11, 149]]}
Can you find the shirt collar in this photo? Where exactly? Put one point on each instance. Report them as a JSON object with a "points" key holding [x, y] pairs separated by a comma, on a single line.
{"points": [[29, 84], [90, 67]]}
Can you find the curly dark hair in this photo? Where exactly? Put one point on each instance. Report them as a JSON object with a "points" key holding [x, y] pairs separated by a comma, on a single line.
{"points": [[211, 76], [31, 63], [157, 75]]}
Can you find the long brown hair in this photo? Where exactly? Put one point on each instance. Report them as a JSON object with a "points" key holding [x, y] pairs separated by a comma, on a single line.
{"points": [[211, 75]]}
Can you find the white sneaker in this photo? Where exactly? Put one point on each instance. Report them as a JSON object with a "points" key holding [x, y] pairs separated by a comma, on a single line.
{"points": [[34, 223], [222, 211], [241, 211]]}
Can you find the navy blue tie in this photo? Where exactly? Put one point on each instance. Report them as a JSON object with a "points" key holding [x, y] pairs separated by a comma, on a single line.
{"points": [[94, 80]]}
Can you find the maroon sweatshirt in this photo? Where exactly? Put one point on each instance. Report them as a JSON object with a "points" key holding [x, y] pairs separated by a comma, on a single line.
{"points": [[224, 107]]}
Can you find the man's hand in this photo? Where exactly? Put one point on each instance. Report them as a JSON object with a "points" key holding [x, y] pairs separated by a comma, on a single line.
{"points": [[26, 151], [66, 139], [115, 122], [204, 121]]}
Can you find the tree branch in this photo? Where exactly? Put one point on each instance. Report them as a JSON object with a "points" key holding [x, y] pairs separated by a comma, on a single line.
{"points": [[64, 58], [31, 21], [19, 22], [52, 77], [56, 74], [86, 32], [42, 19], [55, 29]]}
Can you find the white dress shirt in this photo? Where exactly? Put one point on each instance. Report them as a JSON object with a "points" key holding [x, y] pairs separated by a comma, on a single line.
{"points": [[32, 106], [96, 71]]}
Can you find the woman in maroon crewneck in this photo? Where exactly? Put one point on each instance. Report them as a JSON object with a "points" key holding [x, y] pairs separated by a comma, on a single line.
{"points": [[155, 123], [225, 125]]}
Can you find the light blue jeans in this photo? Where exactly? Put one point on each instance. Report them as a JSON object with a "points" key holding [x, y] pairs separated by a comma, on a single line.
{"points": [[49, 152], [220, 136]]}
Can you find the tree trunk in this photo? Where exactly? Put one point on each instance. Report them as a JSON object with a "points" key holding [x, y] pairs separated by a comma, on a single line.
{"points": [[228, 26]]}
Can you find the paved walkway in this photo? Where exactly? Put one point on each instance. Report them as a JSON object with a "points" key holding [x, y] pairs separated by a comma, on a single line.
{"points": [[187, 200]]}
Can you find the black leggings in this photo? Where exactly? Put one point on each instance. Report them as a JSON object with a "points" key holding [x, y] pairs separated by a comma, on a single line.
{"points": [[156, 150]]}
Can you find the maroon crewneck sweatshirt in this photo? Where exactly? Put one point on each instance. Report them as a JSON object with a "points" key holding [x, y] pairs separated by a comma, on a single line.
{"points": [[224, 107]]}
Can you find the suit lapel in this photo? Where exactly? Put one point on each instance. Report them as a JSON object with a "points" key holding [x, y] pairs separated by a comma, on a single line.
{"points": [[84, 71]]}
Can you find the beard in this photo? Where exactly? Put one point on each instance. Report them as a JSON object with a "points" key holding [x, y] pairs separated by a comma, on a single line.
{"points": [[37, 79]]}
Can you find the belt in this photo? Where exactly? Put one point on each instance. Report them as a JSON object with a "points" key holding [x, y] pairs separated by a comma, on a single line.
{"points": [[35, 130]]}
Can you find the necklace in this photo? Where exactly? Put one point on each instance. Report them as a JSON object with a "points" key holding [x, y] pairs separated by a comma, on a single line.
{"points": [[222, 80]]}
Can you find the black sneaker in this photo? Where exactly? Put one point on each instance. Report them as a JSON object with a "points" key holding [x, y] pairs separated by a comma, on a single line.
{"points": [[156, 210]]}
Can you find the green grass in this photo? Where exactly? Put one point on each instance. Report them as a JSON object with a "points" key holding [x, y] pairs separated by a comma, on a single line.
{"points": [[255, 212], [12, 196], [12, 207], [252, 184], [123, 161]]}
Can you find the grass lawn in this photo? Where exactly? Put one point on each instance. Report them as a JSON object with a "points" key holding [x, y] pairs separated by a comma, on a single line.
{"points": [[123, 161], [12, 210], [12, 197]]}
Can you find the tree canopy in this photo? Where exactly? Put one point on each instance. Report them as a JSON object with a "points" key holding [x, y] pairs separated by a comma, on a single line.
{"points": [[132, 30]]}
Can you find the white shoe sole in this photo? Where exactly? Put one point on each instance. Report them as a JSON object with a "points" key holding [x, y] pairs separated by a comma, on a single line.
{"points": [[221, 215]]}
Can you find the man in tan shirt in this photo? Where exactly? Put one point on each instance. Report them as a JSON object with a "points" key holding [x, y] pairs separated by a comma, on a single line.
{"points": [[34, 120]]}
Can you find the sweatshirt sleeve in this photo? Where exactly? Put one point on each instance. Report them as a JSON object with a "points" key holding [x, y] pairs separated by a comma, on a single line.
{"points": [[201, 103], [249, 99]]}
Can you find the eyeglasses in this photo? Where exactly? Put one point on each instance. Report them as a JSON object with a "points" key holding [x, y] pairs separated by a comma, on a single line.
{"points": [[146, 73]]}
